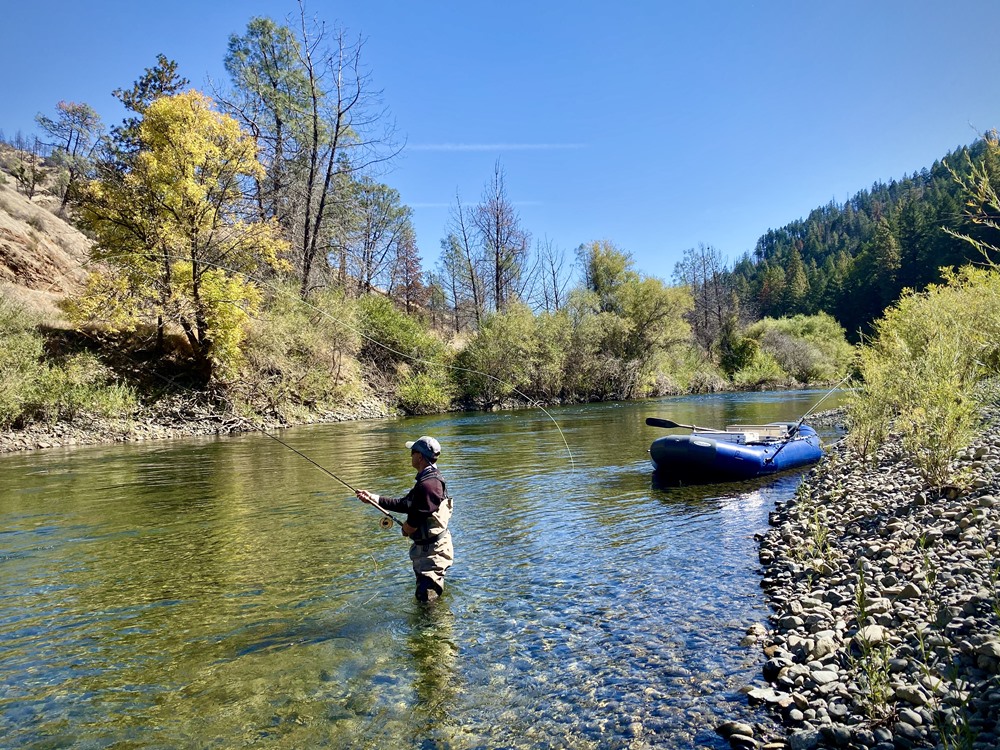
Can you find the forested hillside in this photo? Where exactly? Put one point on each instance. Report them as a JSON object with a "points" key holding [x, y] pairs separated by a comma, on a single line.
{"points": [[852, 260], [243, 245]]}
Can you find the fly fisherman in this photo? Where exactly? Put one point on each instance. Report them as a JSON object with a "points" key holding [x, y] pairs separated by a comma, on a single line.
{"points": [[428, 512]]}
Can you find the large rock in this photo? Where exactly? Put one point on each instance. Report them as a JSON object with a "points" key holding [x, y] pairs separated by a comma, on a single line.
{"points": [[804, 739], [730, 728], [871, 635]]}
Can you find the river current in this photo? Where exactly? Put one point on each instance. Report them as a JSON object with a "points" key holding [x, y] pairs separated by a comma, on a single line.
{"points": [[223, 593]]}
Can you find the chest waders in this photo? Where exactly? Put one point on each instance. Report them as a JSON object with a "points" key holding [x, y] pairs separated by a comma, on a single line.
{"points": [[432, 552]]}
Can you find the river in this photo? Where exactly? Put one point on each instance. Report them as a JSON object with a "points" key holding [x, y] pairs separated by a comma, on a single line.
{"points": [[222, 592]]}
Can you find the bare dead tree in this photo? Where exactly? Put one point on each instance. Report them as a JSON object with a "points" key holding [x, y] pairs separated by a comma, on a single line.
{"points": [[504, 241], [554, 276], [320, 125], [447, 279], [407, 280], [703, 270], [27, 166], [461, 250]]}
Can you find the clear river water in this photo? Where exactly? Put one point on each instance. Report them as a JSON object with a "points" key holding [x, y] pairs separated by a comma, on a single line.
{"points": [[224, 593]]}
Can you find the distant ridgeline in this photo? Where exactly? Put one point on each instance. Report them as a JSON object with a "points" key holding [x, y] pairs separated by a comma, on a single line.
{"points": [[852, 260]]}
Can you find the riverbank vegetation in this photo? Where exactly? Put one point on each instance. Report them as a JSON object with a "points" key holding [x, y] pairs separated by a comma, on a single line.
{"points": [[924, 371], [244, 247], [42, 383]]}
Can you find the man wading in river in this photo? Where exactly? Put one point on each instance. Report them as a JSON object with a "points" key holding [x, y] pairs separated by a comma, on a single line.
{"points": [[428, 512]]}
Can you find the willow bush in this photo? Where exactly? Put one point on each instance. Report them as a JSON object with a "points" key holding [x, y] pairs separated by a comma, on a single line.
{"points": [[498, 362], [685, 369], [424, 393], [553, 356], [79, 384], [762, 371], [300, 354], [20, 362], [807, 348], [408, 364], [919, 372]]}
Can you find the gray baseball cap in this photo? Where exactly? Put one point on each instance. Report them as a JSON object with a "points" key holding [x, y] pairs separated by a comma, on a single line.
{"points": [[426, 446]]}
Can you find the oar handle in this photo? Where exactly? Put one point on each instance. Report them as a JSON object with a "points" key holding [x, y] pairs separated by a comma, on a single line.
{"points": [[670, 424]]}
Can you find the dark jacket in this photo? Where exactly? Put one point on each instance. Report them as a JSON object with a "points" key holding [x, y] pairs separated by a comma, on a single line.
{"points": [[420, 503]]}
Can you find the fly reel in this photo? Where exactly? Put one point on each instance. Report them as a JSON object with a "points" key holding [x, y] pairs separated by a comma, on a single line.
{"points": [[385, 522]]}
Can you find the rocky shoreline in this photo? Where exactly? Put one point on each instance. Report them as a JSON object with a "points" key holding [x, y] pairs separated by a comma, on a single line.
{"points": [[885, 631], [171, 418]]}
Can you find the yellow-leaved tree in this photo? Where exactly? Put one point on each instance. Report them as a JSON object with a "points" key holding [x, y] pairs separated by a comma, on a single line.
{"points": [[177, 236]]}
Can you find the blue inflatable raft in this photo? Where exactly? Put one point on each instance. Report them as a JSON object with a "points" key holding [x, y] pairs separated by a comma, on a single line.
{"points": [[738, 452]]}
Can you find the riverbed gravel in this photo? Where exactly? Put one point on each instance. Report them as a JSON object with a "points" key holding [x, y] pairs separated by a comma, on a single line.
{"points": [[885, 630]]}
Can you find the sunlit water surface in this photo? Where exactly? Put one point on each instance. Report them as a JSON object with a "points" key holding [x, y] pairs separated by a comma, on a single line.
{"points": [[223, 593]]}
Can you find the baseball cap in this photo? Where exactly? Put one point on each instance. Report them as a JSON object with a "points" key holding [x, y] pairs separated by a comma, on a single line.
{"points": [[426, 446]]}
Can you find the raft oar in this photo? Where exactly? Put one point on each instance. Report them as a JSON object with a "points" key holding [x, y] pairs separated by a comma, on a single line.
{"points": [[669, 424]]}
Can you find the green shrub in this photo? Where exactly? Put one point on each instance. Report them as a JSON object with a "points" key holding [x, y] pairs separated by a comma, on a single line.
{"points": [[762, 372], [809, 348], [391, 337], [80, 384], [552, 356], [20, 361], [497, 363], [685, 369], [424, 393], [405, 361], [920, 372], [300, 354], [737, 352], [33, 389]]}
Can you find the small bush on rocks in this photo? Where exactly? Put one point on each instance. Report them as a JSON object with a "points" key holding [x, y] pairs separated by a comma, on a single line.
{"points": [[424, 393], [300, 355]]}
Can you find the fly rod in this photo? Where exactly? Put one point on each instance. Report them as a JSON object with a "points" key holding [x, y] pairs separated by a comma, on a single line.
{"points": [[798, 424], [388, 519]]}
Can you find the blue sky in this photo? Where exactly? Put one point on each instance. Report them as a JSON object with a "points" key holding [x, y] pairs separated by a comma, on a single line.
{"points": [[656, 125]]}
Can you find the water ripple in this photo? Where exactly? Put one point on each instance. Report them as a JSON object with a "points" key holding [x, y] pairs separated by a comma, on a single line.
{"points": [[222, 592]]}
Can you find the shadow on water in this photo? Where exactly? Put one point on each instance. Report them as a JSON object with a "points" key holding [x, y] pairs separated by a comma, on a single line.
{"points": [[674, 489], [434, 652]]}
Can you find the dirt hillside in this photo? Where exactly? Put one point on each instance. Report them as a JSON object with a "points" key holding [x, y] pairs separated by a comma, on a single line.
{"points": [[42, 256]]}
